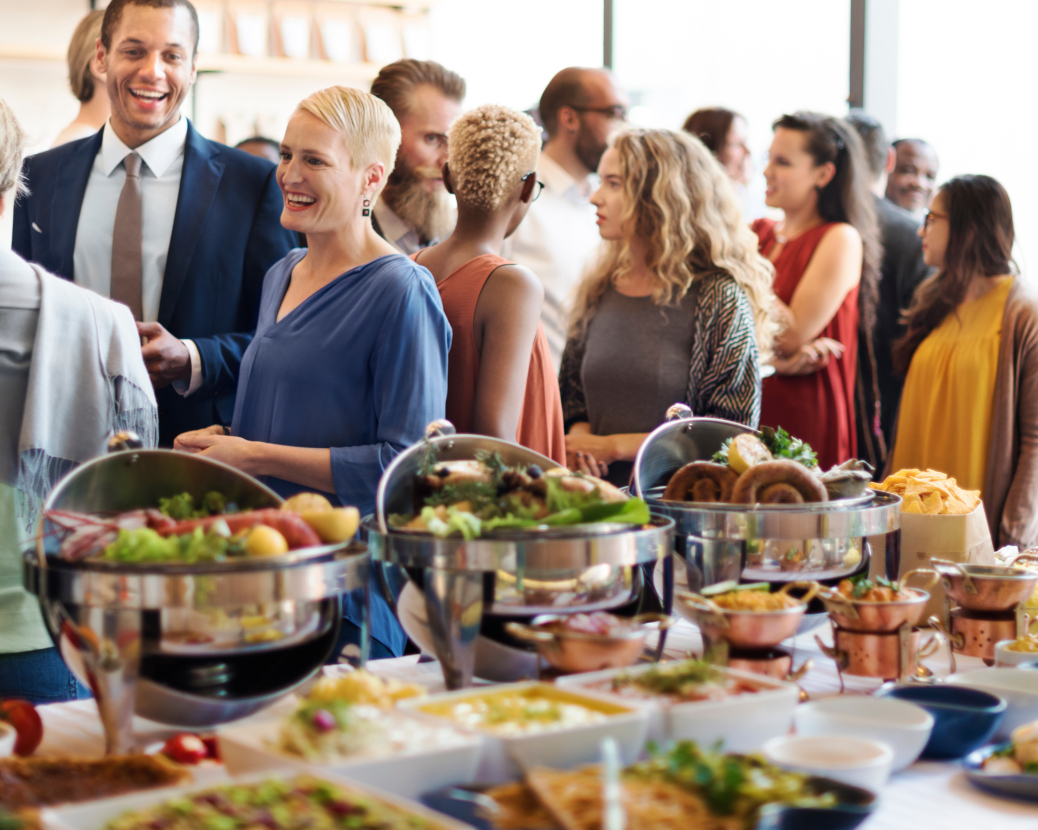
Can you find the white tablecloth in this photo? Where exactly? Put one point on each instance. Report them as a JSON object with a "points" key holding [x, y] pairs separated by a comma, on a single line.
{"points": [[926, 795]]}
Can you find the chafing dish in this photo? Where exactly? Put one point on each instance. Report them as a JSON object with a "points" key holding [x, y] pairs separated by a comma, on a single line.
{"points": [[186, 644], [823, 541], [863, 615], [523, 573]]}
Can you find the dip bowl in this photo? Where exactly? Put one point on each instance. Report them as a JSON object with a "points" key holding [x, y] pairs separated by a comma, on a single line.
{"points": [[964, 719], [1019, 689], [856, 761]]}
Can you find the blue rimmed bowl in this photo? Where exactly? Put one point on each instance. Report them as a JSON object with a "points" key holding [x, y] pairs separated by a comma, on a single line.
{"points": [[964, 718]]}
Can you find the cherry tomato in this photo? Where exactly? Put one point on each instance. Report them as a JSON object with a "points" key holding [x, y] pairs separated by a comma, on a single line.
{"points": [[26, 722], [186, 748]]}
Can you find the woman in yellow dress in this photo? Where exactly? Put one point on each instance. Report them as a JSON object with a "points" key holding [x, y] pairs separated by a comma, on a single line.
{"points": [[970, 404]]}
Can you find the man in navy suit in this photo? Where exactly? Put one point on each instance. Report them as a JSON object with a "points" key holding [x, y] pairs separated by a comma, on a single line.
{"points": [[148, 212]]}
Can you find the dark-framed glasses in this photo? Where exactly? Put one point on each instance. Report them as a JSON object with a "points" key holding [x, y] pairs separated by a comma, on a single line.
{"points": [[617, 112], [540, 185], [931, 216]]}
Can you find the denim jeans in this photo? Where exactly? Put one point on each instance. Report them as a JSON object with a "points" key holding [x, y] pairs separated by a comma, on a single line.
{"points": [[39, 677]]}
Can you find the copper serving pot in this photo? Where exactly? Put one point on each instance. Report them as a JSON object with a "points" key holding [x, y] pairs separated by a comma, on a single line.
{"points": [[974, 633], [746, 629], [985, 587], [879, 617], [872, 654], [573, 652]]}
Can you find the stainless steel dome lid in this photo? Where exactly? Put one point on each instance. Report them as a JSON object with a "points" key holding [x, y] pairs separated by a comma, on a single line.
{"points": [[680, 440], [396, 487], [134, 478]]}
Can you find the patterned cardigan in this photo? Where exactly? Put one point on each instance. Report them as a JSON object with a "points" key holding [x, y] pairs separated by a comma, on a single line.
{"points": [[724, 366]]}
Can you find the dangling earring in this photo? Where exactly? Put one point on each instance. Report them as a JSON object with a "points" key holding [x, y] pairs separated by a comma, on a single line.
{"points": [[367, 208]]}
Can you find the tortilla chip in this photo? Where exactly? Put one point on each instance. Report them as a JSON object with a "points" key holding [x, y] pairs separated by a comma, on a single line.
{"points": [[912, 504], [932, 504]]}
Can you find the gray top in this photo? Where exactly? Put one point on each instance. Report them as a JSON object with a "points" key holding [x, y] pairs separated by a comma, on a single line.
{"points": [[638, 358]]}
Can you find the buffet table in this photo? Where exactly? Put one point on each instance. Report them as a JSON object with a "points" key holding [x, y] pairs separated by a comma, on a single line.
{"points": [[928, 794]]}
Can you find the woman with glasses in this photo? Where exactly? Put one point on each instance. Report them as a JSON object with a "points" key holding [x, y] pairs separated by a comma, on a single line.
{"points": [[349, 360], [500, 380], [673, 310], [970, 403], [826, 252]]}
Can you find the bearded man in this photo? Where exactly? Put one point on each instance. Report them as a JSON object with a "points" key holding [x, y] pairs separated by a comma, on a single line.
{"points": [[415, 210], [580, 109]]}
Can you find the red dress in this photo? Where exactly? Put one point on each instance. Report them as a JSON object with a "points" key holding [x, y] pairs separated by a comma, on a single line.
{"points": [[817, 408]]}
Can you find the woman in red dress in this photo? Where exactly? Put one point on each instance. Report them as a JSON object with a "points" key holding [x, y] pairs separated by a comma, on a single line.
{"points": [[826, 252]]}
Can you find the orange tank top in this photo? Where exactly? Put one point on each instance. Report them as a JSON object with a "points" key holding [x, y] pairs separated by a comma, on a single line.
{"points": [[540, 420]]}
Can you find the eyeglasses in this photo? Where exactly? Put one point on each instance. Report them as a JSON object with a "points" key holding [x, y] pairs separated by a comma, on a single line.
{"points": [[617, 112], [930, 216], [539, 183]]}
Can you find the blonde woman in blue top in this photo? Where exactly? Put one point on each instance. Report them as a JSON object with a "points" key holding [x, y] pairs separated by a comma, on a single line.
{"points": [[349, 360]]}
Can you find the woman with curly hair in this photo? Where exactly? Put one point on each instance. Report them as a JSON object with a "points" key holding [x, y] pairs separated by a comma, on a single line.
{"points": [[826, 252], [500, 378], [676, 309], [970, 403]]}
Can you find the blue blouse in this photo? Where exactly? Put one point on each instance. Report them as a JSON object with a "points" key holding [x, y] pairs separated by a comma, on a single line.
{"points": [[359, 366]]}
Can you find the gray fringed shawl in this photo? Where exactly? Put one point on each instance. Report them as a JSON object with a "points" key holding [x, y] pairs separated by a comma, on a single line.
{"points": [[86, 381]]}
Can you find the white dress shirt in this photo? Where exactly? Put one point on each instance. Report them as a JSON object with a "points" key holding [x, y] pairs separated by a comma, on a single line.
{"points": [[163, 158], [395, 232], [555, 241]]}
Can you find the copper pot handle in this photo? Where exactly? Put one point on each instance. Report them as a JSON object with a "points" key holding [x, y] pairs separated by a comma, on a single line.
{"points": [[704, 606], [930, 582], [529, 633], [954, 640], [1030, 556], [807, 665], [811, 587], [833, 653], [970, 585], [665, 620], [837, 603]]}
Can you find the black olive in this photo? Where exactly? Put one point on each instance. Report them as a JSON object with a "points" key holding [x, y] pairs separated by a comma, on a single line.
{"points": [[443, 472], [534, 472]]}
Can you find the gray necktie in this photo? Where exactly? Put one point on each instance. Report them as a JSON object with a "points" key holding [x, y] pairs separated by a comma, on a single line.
{"points": [[126, 240]]}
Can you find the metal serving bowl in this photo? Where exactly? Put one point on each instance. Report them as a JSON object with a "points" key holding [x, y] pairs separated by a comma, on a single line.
{"points": [[878, 617], [518, 573], [985, 587], [732, 542], [209, 642], [573, 652], [744, 629]]}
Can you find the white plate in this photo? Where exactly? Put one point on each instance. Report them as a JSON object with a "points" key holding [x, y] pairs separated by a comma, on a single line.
{"points": [[743, 722], [94, 815], [251, 746], [505, 757]]}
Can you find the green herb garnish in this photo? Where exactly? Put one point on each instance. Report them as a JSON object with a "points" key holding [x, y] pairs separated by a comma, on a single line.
{"points": [[861, 585], [182, 506], [780, 444], [680, 679]]}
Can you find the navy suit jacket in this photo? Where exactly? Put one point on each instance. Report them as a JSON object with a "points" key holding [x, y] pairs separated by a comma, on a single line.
{"points": [[226, 234]]}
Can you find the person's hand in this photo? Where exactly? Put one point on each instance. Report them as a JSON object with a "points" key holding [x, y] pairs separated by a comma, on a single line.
{"points": [[165, 356], [585, 462], [187, 441], [237, 452], [809, 358], [591, 453]]}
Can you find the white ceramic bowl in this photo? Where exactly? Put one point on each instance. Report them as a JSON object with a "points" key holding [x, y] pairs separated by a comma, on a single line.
{"points": [[252, 746], [855, 761], [95, 815], [904, 726], [1006, 658], [8, 736], [1018, 688], [505, 757], [742, 722]]}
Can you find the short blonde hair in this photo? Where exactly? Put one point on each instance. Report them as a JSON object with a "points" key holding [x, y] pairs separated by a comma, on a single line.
{"points": [[81, 51], [13, 141], [490, 149], [369, 128]]}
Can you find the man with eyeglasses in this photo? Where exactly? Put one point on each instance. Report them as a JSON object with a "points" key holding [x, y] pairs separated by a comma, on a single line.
{"points": [[580, 109]]}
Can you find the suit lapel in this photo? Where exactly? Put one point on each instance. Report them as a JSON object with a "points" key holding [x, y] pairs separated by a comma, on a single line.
{"points": [[67, 202], [199, 181]]}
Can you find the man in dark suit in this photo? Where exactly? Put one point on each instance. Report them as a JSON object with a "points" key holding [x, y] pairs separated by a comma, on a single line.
{"points": [[901, 271], [152, 214]]}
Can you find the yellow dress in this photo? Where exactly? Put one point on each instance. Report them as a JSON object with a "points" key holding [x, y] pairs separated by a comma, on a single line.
{"points": [[945, 418]]}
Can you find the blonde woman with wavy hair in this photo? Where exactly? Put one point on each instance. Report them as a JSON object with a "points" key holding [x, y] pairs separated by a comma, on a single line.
{"points": [[501, 380], [677, 308], [349, 359]]}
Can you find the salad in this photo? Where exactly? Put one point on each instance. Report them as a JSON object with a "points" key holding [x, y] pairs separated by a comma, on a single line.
{"points": [[475, 497]]}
